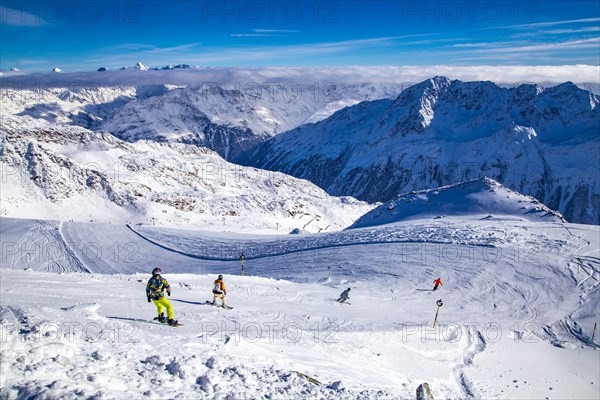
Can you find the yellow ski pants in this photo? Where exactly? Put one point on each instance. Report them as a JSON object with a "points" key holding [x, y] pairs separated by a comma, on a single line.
{"points": [[164, 303]]}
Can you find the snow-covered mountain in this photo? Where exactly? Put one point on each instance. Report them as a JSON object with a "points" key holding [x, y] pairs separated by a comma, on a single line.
{"points": [[178, 66], [138, 67], [76, 105], [231, 120], [65, 172], [539, 141], [229, 117], [479, 199], [226, 109]]}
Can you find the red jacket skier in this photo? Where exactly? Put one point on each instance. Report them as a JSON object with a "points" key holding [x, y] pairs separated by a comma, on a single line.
{"points": [[437, 283]]}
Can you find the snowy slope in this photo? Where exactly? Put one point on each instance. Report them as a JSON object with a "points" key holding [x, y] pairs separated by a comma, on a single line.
{"points": [[70, 173], [540, 142], [520, 300], [480, 198]]}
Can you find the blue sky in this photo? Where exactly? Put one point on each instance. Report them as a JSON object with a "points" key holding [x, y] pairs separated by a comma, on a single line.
{"points": [[84, 35]]}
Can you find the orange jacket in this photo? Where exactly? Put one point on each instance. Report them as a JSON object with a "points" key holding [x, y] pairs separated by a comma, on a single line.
{"points": [[221, 284], [437, 282]]}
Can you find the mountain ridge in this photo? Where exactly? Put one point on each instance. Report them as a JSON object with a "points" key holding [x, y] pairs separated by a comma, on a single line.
{"points": [[540, 142]]}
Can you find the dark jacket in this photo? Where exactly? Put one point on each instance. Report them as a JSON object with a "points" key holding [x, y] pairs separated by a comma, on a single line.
{"points": [[156, 287]]}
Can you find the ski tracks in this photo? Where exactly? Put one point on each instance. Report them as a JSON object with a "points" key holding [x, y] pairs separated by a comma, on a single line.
{"points": [[475, 344], [45, 246]]}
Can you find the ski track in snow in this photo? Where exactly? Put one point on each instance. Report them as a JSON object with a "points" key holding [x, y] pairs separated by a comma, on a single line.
{"points": [[46, 238], [474, 344]]}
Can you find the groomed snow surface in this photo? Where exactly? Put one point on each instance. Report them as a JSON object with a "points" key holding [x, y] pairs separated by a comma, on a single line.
{"points": [[520, 299]]}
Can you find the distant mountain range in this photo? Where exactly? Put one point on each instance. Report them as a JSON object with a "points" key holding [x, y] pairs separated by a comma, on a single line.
{"points": [[372, 140], [542, 142], [228, 119]]}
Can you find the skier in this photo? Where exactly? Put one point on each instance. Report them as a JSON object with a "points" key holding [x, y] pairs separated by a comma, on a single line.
{"points": [[219, 291], [155, 293], [344, 296], [437, 283]]}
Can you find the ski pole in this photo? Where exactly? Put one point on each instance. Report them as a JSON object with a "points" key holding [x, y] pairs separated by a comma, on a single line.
{"points": [[594, 331], [439, 304]]}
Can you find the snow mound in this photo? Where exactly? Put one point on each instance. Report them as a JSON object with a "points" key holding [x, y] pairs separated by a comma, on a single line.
{"points": [[87, 310], [481, 198]]}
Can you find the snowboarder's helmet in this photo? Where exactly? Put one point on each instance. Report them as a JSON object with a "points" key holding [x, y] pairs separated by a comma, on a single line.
{"points": [[156, 271], [220, 276], [348, 289]]}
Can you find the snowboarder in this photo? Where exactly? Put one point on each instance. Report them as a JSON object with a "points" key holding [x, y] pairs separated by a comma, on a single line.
{"points": [[155, 292], [344, 296], [437, 283], [219, 291]]}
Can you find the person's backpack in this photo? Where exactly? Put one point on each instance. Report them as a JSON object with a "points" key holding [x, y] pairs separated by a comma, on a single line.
{"points": [[217, 288]]}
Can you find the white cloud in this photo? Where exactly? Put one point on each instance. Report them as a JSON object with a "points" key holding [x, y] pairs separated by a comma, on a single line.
{"points": [[540, 24], [276, 31], [505, 75], [561, 31], [507, 47], [255, 35]]}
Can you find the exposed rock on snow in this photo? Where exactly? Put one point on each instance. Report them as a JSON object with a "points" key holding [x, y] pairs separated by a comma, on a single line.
{"points": [[423, 392]]}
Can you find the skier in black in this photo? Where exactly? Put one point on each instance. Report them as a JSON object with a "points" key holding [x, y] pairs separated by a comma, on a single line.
{"points": [[344, 296]]}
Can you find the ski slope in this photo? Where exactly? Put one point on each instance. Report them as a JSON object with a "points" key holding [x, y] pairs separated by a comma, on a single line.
{"points": [[520, 301]]}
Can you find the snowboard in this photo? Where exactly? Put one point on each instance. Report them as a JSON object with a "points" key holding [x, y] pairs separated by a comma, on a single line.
{"points": [[147, 321], [216, 305], [156, 321], [344, 302]]}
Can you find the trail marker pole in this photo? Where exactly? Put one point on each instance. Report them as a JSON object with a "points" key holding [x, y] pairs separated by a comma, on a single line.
{"points": [[243, 258], [594, 331], [439, 304], [329, 272]]}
